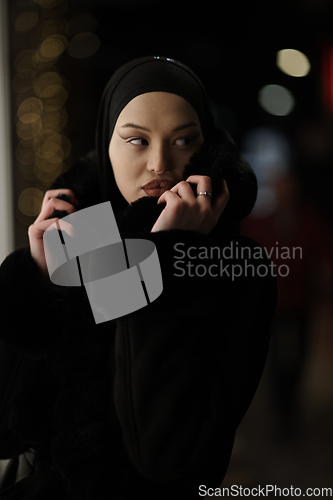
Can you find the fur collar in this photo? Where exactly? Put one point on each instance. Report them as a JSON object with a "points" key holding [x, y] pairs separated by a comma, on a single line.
{"points": [[218, 159]]}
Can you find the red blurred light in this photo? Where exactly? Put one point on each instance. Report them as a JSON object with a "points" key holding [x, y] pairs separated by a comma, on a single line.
{"points": [[327, 76]]}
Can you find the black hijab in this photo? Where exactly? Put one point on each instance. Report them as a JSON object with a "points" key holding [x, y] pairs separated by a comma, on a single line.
{"points": [[146, 74], [218, 157]]}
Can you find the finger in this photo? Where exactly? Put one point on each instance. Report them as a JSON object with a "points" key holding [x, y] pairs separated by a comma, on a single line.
{"points": [[204, 184], [183, 190], [66, 226], [169, 197], [36, 231], [54, 204], [53, 193]]}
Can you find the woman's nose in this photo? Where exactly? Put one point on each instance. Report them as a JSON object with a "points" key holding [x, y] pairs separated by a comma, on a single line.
{"points": [[159, 160]]}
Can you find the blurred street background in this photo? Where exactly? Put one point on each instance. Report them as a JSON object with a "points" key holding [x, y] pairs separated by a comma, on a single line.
{"points": [[268, 69]]}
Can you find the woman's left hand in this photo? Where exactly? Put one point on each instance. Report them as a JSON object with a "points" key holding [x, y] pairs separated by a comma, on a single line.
{"points": [[184, 210]]}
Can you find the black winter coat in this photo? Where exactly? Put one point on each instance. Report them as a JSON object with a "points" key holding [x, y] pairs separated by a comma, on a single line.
{"points": [[147, 404]]}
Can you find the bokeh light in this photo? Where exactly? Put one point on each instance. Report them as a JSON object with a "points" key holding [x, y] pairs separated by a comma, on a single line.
{"points": [[83, 45], [48, 84], [57, 101], [24, 155], [55, 120], [23, 82], [27, 172], [49, 28], [24, 60], [293, 62], [83, 22], [41, 93], [54, 147], [48, 4], [276, 100], [55, 11], [48, 176], [26, 21], [28, 131], [30, 110], [269, 153], [52, 47], [30, 201]]}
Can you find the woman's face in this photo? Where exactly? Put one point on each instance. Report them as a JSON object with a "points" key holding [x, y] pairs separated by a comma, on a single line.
{"points": [[154, 137]]}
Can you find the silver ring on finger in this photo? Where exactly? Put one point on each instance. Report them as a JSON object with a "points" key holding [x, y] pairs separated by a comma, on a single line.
{"points": [[204, 193]]}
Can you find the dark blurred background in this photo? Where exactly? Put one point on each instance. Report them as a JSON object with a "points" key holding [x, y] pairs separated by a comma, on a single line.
{"points": [[278, 106]]}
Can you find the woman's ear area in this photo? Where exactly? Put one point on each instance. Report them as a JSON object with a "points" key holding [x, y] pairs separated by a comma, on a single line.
{"points": [[219, 159]]}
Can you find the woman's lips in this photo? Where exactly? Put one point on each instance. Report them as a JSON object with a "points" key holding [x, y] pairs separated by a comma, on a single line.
{"points": [[157, 188]]}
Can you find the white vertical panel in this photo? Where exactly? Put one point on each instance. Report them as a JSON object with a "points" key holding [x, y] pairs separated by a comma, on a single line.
{"points": [[6, 184]]}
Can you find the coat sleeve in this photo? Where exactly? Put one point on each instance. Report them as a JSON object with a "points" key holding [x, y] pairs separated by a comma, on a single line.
{"points": [[36, 316], [188, 365], [33, 314]]}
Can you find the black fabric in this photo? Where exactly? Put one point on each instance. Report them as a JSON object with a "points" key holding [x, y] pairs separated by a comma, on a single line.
{"points": [[147, 405], [15, 368], [146, 74], [195, 357], [38, 486], [218, 158], [189, 363], [153, 74]]}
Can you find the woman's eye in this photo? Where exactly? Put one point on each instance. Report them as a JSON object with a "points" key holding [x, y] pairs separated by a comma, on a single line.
{"points": [[138, 141], [183, 141]]}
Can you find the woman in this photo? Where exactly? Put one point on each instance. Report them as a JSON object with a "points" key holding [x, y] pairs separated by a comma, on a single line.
{"points": [[148, 403]]}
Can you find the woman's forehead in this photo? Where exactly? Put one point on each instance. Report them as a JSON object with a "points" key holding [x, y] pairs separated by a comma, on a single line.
{"points": [[161, 106]]}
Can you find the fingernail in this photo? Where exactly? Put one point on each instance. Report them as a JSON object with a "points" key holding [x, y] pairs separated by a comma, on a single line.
{"points": [[75, 201]]}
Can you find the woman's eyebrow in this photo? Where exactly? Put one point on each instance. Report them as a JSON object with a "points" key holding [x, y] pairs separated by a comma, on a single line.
{"points": [[186, 125], [132, 125], [181, 127]]}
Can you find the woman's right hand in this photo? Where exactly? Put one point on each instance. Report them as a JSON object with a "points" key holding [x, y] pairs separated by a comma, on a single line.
{"points": [[37, 229]]}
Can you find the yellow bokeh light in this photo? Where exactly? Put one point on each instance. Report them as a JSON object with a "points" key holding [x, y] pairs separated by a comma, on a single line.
{"points": [[47, 176], [30, 110], [42, 61], [47, 79], [20, 84], [54, 148], [51, 27], [29, 117], [53, 46], [50, 91], [48, 84], [30, 201], [46, 165], [56, 120], [293, 62], [56, 102], [83, 45], [26, 21], [24, 60], [30, 130], [40, 98], [51, 152], [24, 155], [48, 4], [27, 171]]}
